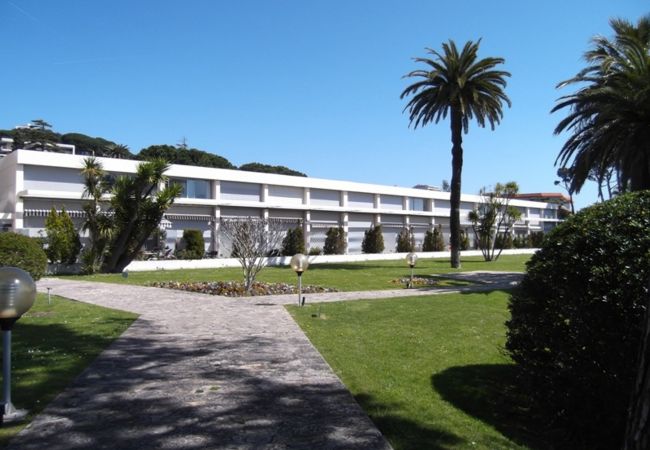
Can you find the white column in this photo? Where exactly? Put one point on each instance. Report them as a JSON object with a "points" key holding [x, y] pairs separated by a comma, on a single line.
{"points": [[344, 199], [216, 190], [344, 225], [264, 193], [19, 207], [306, 196], [377, 204], [306, 229], [405, 203], [214, 230]]}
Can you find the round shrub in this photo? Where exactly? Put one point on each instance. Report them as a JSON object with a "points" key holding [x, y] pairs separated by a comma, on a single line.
{"points": [[23, 252], [577, 320], [193, 245]]}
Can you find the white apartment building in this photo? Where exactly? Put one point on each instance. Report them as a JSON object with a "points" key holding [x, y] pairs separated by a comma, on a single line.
{"points": [[31, 182]]}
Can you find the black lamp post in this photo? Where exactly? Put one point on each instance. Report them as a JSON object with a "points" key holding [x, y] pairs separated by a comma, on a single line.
{"points": [[17, 295], [299, 264], [411, 260]]}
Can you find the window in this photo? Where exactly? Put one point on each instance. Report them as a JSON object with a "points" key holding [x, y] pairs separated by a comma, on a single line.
{"points": [[416, 204], [194, 188]]}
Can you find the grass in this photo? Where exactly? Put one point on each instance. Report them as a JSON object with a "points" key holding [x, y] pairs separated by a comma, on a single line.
{"points": [[429, 371], [53, 344], [355, 276]]}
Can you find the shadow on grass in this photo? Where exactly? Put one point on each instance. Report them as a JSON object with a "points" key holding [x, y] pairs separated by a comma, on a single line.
{"points": [[403, 433], [490, 393]]}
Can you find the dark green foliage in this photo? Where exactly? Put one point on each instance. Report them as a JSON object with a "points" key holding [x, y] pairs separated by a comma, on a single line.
{"points": [[576, 319], [193, 245], [464, 240], [23, 252], [536, 239], [315, 251], [96, 146], [433, 240], [294, 242], [373, 240], [63, 243], [181, 155], [334, 242], [504, 241], [405, 241], [520, 241], [266, 168]]}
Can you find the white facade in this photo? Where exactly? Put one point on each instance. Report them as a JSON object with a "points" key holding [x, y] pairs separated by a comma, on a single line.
{"points": [[31, 182]]}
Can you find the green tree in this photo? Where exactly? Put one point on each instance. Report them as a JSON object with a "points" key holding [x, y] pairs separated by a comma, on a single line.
{"points": [[135, 208], [193, 245], [63, 243], [183, 155], [294, 242], [609, 114], [17, 250], [334, 241], [373, 240], [495, 216], [433, 240], [405, 241], [463, 87], [266, 168]]}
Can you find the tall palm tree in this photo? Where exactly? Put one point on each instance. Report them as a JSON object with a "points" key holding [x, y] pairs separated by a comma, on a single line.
{"points": [[609, 115], [464, 87]]}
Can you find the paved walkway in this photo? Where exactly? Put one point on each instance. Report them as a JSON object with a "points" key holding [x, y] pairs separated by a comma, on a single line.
{"points": [[197, 372]]}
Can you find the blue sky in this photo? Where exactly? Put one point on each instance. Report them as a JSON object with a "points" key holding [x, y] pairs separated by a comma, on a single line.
{"points": [[312, 85]]}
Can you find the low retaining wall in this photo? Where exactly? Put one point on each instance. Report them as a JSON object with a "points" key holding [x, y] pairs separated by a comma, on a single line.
{"points": [[177, 264]]}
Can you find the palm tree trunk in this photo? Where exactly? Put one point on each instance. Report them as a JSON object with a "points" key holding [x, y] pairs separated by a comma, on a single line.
{"points": [[456, 171]]}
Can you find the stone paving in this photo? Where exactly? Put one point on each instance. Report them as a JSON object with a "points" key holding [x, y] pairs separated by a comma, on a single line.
{"points": [[199, 372]]}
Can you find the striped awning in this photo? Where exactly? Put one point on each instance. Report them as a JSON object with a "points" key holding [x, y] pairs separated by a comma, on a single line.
{"points": [[194, 217], [46, 212]]}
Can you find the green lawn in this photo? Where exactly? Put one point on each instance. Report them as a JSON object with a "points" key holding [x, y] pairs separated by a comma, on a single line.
{"points": [[430, 371], [355, 276], [52, 344]]}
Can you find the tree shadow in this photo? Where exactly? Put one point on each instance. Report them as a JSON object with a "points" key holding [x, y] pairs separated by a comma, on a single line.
{"points": [[149, 391], [404, 433], [491, 393]]}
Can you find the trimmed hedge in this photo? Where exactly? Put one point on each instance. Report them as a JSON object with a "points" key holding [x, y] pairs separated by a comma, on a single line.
{"points": [[577, 320], [23, 252], [373, 240], [294, 242]]}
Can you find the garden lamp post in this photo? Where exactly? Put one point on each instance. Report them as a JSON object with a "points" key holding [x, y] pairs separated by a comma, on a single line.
{"points": [[411, 259], [17, 295], [299, 264]]}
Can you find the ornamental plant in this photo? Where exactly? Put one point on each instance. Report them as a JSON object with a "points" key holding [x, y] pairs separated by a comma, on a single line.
{"points": [[405, 240], [334, 241], [294, 242], [23, 252], [63, 243], [193, 245], [373, 240], [576, 320]]}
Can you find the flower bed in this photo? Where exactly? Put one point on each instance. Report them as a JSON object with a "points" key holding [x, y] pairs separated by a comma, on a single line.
{"points": [[236, 289]]}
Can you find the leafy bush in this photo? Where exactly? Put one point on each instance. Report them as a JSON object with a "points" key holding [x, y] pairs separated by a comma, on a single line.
{"points": [[193, 245], [577, 316], [536, 239], [63, 243], [433, 240], [504, 241], [315, 251], [520, 241], [405, 241], [23, 252], [373, 240], [294, 242], [334, 242]]}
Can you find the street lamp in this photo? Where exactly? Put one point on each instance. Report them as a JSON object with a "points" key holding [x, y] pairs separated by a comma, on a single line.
{"points": [[17, 295], [411, 259], [299, 264]]}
